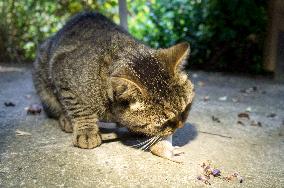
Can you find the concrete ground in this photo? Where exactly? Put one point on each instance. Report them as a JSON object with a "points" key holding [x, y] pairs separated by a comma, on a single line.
{"points": [[46, 158]]}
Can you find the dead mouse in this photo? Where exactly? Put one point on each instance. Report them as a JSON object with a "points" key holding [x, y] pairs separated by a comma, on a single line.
{"points": [[165, 149], [162, 148]]}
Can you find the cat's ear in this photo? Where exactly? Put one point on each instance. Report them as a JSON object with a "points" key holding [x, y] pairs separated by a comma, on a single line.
{"points": [[123, 84], [175, 56]]}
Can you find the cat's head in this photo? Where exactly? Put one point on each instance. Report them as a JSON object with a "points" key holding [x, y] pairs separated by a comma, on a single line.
{"points": [[152, 95]]}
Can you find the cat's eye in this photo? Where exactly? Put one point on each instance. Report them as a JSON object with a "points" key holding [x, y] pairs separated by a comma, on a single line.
{"points": [[124, 103], [171, 123]]}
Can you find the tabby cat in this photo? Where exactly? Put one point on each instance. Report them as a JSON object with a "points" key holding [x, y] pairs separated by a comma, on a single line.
{"points": [[93, 70]]}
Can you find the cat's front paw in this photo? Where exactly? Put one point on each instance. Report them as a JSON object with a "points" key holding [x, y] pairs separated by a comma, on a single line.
{"points": [[87, 139]]}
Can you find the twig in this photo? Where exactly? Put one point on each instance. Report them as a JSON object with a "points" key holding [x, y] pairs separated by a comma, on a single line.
{"points": [[22, 133], [215, 134]]}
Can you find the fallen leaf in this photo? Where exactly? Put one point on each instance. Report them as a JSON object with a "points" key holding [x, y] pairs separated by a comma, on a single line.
{"points": [[9, 103], [33, 109], [22, 133], [240, 122], [230, 178], [271, 115], [216, 172], [237, 176], [216, 119], [204, 179], [210, 172], [243, 115]]}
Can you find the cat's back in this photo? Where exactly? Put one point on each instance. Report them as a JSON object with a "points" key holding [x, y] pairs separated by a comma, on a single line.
{"points": [[87, 28]]}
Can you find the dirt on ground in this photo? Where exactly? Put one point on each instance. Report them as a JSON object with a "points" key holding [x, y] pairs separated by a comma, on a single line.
{"points": [[236, 123]]}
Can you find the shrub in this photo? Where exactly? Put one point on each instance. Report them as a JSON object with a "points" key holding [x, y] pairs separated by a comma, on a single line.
{"points": [[224, 35]]}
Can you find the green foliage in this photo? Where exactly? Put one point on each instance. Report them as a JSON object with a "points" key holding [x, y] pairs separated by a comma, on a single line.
{"points": [[26, 23], [224, 35]]}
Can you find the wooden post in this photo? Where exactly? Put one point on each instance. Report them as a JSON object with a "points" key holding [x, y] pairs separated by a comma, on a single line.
{"points": [[123, 14], [273, 61], [271, 39]]}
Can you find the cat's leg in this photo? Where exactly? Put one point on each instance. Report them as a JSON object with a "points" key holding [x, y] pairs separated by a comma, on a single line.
{"points": [[49, 102], [51, 105], [86, 133], [42, 84], [83, 119], [65, 124]]}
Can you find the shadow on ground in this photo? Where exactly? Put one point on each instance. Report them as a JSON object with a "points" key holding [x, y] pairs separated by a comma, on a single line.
{"points": [[185, 135], [181, 137]]}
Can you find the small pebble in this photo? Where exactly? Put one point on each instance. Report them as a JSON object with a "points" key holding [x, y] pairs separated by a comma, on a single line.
{"points": [[206, 98], [256, 123], [194, 75], [28, 96], [200, 83], [235, 100], [224, 98], [248, 109]]}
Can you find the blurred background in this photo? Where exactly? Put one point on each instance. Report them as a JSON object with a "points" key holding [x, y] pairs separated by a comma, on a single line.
{"points": [[241, 36]]}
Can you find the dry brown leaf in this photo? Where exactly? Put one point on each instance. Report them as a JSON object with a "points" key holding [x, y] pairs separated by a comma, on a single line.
{"points": [[9, 103], [33, 109], [216, 119], [240, 122], [244, 115]]}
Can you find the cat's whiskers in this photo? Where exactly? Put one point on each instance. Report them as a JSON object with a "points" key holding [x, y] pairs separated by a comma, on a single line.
{"points": [[145, 145], [153, 141], [151, 144], [142, 143]]}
